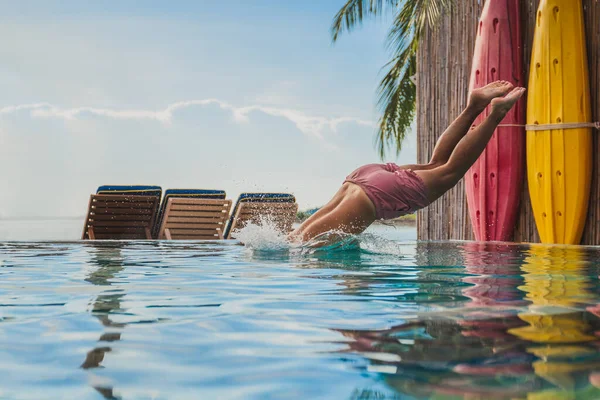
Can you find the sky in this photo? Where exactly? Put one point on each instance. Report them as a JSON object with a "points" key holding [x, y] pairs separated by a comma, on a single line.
{"points": [[246, 95]]}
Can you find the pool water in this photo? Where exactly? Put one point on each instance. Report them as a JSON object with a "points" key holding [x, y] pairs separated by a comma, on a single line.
{"points": [[389, 319]]}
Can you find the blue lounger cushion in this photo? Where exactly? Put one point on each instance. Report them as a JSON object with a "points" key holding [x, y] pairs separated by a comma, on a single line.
{"points": [[134, 190], [258, 197], [200, 193], [187, 193]]}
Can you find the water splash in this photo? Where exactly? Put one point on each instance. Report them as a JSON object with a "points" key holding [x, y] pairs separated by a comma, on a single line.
{"points": [[263, 236], [331, 241], [373, 244], [366, 243]]}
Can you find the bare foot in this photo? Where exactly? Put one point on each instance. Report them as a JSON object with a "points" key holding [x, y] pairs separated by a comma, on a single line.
{"points": [[500, 106], [480, 98]]}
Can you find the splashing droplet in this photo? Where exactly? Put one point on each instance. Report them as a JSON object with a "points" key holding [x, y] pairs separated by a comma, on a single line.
{"points": [[263, 236]]}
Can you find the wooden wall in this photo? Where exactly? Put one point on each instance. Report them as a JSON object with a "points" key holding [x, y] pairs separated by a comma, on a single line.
{"points": [[444, 66]]}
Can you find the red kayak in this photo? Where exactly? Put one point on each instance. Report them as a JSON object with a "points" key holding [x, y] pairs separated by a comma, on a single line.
{"points": [[494, 182]]}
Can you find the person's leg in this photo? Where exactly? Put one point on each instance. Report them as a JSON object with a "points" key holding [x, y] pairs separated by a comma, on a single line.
{"points": [[352, 214], [441, 179], [327, 208], [479, 99], [352, 211]]}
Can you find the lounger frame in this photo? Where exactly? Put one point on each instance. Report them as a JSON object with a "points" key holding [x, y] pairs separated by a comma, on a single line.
{"points": [[123, 217], [194, 219]]}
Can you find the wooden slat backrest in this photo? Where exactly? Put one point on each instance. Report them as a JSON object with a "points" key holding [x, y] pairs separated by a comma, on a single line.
{"points": [[194, 219], [120, 217], [282, 215]]}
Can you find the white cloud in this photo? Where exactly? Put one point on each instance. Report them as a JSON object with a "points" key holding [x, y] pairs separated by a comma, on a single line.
{"points": [[314, 126], [23, 107]]}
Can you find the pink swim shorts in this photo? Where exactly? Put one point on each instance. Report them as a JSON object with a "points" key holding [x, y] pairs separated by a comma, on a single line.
{"points": [[393, 191]]}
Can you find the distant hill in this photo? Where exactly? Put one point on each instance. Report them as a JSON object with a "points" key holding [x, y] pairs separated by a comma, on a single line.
{"points": [[410, 219], [304, 214]]}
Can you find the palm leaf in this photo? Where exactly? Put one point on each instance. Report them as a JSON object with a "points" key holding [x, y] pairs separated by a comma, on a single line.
{"points": [[397, 102], [354, 11], [397, 92], [413, 19]]}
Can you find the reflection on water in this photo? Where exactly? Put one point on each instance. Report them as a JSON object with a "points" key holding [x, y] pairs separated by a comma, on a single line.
{"points": [[110, 263], [384, 320], [528, 330], [559, 328]]}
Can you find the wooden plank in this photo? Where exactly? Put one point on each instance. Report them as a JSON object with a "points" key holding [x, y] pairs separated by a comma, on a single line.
{"points": [[197, 207], [123, 196], [127, 224], [124, 199], [195, 237], [443, 68], [113, 229], [193, 221], [121, 217], [121, 211], [119, 200], [197, 214], [195, 201], [201, 208], [204, 220], [591, 233], [171, 225], [114, 236], [119, 207], [129, 205], [196, 219], [191, 232]]}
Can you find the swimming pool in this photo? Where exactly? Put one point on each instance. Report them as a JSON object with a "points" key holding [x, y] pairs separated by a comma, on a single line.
{"points": [[391, 320]]}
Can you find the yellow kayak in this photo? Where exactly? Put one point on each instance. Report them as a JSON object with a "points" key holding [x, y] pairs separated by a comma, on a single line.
{"points": [[559, 161]]}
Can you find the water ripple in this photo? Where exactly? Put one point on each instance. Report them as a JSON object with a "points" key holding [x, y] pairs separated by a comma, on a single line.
{"points": [[370, 319]]}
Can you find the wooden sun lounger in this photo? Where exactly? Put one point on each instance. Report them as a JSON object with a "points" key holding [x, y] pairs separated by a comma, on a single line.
{"points": [[120, 217], [194, 219], [282, 215]]}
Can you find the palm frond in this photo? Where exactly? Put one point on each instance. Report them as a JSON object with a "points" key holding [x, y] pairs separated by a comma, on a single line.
{"points": [[397, 102], [413, 19], [354, 11], [397, 92]]}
